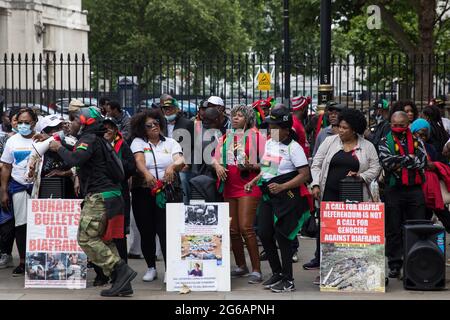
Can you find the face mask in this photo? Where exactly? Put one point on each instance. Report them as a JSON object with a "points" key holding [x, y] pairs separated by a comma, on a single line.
{"points": [[171, 117], [15, 130], [399, 130], [24, 129]]}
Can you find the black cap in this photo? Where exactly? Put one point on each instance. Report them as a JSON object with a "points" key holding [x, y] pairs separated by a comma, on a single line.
{"points": [[333, 105], [279, 115], [111, 120]]}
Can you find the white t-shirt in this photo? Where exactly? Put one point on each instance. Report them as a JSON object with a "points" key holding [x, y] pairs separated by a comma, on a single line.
{"points": [[17, 152], [170, 128], [164, 152], [280, 158]]}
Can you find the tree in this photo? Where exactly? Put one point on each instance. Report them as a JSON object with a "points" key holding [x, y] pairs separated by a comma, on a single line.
{"points": [[141, 31]]}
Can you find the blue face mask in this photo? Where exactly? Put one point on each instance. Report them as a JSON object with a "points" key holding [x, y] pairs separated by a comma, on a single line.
{"points": [[15, 130], [24, 129], [171, 117]]}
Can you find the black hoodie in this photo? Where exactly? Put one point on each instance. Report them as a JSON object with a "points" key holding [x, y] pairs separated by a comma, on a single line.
{"points": [[88, 156]]}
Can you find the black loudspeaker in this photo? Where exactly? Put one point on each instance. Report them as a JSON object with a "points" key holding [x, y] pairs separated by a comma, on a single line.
{"points": [[351, 189], [424, 261], [52, 187]]}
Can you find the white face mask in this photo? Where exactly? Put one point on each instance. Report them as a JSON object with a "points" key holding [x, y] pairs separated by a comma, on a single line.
{"points": [[171, 117]]}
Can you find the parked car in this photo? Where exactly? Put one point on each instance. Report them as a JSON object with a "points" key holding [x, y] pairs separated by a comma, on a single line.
{"points": [[39, 108], [149, 103], [189, 108], [63, 104]]}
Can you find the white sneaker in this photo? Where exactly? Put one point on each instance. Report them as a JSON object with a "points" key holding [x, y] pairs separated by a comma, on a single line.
{"points": [[150, 275], [6, 261]]}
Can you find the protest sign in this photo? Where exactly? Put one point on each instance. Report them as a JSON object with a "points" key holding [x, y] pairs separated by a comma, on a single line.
{"points": [[53, 258], [352, 247], [198, 247]]}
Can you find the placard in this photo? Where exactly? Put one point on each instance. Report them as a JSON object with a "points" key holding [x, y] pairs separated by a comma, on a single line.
{"points": [[198, 247], [53, 258], [352, 247]]}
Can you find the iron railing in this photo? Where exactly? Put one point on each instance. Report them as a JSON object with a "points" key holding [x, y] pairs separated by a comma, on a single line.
{"points": [[45, 80]]}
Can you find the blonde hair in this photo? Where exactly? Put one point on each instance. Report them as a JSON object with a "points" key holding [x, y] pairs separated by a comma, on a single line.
{"points": [[248, 114]]}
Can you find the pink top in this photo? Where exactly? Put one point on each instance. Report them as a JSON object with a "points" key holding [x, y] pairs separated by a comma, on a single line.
{"points": [[254, 148]]}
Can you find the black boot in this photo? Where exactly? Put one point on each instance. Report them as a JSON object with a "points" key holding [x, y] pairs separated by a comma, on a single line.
{"points": [[126, 291], [100, 280], [123, 276]]}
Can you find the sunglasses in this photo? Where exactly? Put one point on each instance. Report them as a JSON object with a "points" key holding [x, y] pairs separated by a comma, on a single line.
{"points": [[150, 125], [23, 122]]}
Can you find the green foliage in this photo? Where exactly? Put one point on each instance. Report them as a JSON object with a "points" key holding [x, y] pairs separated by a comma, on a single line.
{"points": [[165, 27]]}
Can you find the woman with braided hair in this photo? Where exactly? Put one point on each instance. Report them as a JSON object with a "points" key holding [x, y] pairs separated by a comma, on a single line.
{"points": [[438, 135]]}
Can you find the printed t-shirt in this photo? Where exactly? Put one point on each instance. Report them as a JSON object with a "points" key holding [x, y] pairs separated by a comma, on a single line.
{"points": [[17, 152], [282, 158]]}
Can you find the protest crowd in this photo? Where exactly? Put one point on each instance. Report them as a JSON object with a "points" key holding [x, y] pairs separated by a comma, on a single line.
{"points": [[271, 162]]}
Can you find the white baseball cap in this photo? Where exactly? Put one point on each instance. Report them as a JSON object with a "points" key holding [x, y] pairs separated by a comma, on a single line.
{"points": [[216, 101], [52, 120]]}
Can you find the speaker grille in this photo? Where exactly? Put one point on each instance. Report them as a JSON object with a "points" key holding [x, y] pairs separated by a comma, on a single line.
{"points": [[424, 264], [52, 187], [195, 195]]}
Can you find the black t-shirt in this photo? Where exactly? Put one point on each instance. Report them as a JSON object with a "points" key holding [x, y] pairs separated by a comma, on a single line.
{"points": [[341, 163]]}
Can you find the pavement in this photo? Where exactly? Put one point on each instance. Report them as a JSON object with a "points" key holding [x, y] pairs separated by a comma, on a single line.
{"points": [[13, 288]]}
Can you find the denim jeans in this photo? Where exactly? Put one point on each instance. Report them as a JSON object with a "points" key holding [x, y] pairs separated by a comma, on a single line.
{"points": [[185, 177]]}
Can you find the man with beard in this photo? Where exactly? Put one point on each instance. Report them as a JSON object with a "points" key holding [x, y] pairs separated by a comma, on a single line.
{"points": [[101, 218]]}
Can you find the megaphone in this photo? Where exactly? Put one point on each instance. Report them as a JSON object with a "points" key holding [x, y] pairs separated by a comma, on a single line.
{"points": [[42, 147]]}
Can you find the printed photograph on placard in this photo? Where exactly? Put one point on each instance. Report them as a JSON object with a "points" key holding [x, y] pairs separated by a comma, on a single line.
{"points": [[201, 214], [35, 266], [196, 247], [352, 267], [56, 266], [195, 269], [76, 266]]}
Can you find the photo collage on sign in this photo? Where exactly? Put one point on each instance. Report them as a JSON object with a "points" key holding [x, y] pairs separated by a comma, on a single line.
{"points": [[55, 266]]}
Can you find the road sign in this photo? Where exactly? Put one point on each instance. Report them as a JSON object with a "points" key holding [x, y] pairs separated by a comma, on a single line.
{"points": [[263, 81]]}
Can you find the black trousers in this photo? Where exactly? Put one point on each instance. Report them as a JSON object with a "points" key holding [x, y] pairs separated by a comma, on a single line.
{"points": [[150, 221], [7, 234], [127, 207], [21, 240], [402, 203], [442, 215], [267, 234]]}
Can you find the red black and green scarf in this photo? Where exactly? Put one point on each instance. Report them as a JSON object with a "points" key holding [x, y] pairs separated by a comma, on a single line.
{"points": [[248, 149], [396, 147]]}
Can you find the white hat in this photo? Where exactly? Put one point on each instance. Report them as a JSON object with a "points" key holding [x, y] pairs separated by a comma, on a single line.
{"points": [[52, 120], [216, 101]]}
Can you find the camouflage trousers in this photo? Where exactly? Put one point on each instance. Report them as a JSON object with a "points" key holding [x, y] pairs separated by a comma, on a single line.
{"points": [[93, 222]]}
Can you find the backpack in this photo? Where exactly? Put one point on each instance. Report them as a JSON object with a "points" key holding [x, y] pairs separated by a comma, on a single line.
{"points": [[114, 165]]}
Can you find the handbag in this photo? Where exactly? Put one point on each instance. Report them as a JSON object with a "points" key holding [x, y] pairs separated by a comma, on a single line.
{"points": [[173, 192], [310, 228]]}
